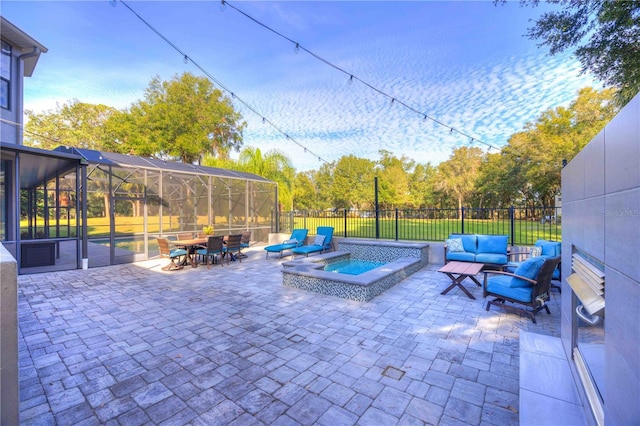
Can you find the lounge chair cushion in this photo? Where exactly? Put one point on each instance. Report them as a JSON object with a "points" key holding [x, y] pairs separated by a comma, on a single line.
{"points": [[528, 269], [307, 249], [501, 285], [318, 240], [280, 247], [455, 245]]}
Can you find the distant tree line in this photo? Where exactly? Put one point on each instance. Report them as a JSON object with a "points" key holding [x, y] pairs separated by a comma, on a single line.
{"points": [[187, 119], [525, 172]]}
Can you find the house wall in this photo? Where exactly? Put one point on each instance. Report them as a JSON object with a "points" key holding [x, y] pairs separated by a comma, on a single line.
{"points": [[601, 216], [12, 133]]}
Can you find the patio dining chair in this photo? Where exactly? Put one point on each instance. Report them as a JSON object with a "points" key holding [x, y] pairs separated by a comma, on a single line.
{"points": [[232, 246], [245, 242], [185, 236], [215, 247], [177, 256], [528, 285]]}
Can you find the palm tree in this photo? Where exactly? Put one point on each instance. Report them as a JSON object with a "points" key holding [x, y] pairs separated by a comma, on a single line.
{"points": [[275, 166]]}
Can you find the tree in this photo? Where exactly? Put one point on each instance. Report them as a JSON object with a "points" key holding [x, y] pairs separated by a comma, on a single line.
{"points": [[457, 175], [183, 119], [274, 165], [421, 186], [305, 194], [527, 170], [606, 34], [393, 184], [76, 124], [352, 185]]}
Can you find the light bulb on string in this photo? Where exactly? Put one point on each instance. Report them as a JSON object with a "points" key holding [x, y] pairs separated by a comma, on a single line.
{"points": [[424, 118], [351, 79], [296, 49], [393, 100], [185, 59], [223, 5], [451, 131], [113, 3]]}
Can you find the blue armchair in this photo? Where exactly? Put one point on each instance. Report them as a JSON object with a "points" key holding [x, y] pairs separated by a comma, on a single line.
{"points": [[528, 285]]}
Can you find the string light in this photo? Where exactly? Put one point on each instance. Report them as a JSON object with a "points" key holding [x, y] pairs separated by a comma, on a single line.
{"points": [[223, 6], [219, 83], [185, 59], [351, 79], [351, 76], [296, 49]]}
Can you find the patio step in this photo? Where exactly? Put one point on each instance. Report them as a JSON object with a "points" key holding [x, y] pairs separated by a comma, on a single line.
{"points": [[548, 392]]}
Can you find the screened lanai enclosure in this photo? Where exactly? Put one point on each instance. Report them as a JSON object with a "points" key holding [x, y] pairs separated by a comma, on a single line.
{"points": [[131, 200]]}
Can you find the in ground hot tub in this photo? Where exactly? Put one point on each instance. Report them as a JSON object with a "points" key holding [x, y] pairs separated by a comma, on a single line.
{"points": [[397, 261]]}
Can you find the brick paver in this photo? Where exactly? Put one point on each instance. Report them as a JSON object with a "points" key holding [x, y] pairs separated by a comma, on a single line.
{"points": [[132, 344]]}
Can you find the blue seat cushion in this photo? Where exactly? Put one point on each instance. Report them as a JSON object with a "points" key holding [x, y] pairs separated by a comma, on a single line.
{"points": [[493, 244], [528, 269], [500, 285], [461, 256], [279, 247], [204, 252], [497, 259], [178, 252], [307, 249]]}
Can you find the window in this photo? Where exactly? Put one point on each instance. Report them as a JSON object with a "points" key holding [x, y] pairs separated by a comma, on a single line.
{"points": [[5, 76]]}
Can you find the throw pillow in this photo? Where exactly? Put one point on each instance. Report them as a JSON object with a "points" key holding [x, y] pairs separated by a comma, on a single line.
{"points": [[455, 244], [536, 251], [528, 269], [291, 241], [319, 240]]}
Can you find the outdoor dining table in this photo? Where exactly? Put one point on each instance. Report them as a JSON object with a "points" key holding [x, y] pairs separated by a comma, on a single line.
{"points": [[190, 246]]}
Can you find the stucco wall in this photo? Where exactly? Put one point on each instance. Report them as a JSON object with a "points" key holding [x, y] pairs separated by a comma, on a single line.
{"points": [[8, 339], [601, 215]]}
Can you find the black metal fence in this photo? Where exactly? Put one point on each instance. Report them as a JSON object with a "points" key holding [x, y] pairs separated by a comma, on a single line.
{"points": [[523, 225]]}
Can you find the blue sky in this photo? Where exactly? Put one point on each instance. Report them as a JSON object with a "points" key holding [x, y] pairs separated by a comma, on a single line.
{"points": [[464, 63]]}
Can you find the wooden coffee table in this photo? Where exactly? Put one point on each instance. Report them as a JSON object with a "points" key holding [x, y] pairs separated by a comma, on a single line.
{"points": [[458, 271]]}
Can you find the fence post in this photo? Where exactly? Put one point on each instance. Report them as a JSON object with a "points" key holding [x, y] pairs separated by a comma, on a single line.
{"points": [[375, 187], [344, 213], [462, 218], [512, 219], [396, 224], [304, 219]]}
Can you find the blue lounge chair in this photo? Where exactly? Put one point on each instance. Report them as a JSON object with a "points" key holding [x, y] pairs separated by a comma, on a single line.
{"points": [[297, 239], [322, 242]]}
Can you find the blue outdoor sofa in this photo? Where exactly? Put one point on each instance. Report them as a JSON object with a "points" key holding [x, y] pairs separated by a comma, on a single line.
{"points": [[297, 239], [488, 249]]}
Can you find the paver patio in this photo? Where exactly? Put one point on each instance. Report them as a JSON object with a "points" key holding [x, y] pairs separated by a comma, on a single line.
{"points": [[132, 344]]}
